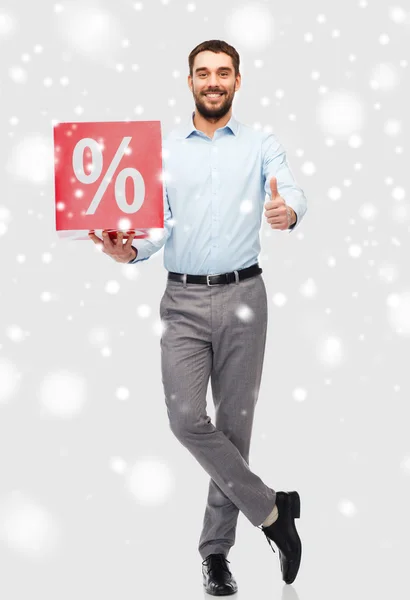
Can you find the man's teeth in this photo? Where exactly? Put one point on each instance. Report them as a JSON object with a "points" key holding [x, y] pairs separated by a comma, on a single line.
{"points": [[213, 95]]}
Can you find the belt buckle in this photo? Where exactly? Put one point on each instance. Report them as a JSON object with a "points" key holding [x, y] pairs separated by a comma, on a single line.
{"points": [[207, 280]]}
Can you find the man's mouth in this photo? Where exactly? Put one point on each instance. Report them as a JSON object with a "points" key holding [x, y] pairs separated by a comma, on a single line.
{"points": [[213, 96]]}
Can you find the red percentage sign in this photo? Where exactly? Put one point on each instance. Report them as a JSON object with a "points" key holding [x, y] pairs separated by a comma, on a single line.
{"points": [[97, 167]]}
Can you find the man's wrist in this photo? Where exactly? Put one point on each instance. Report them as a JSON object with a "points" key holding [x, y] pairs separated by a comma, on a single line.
{"points": [[134, 254], [293, 216]]}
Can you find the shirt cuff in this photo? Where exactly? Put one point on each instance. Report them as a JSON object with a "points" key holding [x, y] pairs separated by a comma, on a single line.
{"points": [[299, 206], [140, 255]]}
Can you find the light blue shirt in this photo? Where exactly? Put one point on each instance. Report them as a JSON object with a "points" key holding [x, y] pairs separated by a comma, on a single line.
{"points": [[214, 195]]}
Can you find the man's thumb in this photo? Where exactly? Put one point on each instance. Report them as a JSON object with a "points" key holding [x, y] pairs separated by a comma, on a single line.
{"points": [[274, 187]]}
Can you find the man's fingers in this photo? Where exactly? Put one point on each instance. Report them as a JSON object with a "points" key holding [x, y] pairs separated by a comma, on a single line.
{"points": [[129, 241], [107, 241], [94, 238], [110, 245]]}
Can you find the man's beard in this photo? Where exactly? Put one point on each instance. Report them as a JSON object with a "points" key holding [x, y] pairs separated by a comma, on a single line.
{"points": [[213, 110]]}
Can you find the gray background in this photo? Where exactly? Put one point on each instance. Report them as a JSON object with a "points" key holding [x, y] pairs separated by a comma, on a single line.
{"points": [[97, 498]]}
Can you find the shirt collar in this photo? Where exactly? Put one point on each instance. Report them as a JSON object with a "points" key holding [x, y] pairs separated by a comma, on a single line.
{"points": [[186, 130]]}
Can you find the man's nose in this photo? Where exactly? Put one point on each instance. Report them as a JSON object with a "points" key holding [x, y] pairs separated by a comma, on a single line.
{"points": [[213, 82]]}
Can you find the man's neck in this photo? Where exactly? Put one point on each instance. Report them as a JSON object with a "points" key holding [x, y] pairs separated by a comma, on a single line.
{"points": [[208, 128]]}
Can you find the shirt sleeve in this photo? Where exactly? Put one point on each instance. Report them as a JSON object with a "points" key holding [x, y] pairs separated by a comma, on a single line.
{"points": [[148, 246], [274, 163]]}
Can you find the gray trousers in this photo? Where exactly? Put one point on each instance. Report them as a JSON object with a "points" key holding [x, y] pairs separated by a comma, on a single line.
{"points": [[217, 331]]}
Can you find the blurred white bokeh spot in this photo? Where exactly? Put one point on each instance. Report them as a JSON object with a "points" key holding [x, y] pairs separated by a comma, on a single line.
{"points": [[144, 310], [299, 394], [279, 299], [118, 465], [398, 193], [355, 250], [90, 30], [401, 213], [341, 114], [106, 351], [405, 465], [392, 127], [15, 333], [355, 141], [308, 168], [5, 215], [398, 15], [27, 527], [334, 193], [32, 159], [159, 327], [122, 393], [98, 336], [308, 289], [347, 508], [112, 287], [251, 26], [398, 312], [244, 313], [330, 351], [18, 74], [7, 25], [384, 77], [368, 211], [9, 379], [150, 481], [246, 206], [62, 394]]}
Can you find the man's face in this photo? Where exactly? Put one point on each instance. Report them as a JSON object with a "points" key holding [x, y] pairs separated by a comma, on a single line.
{"points": [[213, 72]]}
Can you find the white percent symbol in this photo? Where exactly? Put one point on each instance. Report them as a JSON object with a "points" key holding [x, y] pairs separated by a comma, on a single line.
{"points": [[120, 182]]}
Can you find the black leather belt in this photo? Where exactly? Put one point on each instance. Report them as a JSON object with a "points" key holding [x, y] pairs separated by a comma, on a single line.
{"points": [[231, 277]]}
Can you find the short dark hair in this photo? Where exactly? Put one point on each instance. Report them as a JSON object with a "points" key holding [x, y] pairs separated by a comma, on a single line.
{"points": [[215, 46]]}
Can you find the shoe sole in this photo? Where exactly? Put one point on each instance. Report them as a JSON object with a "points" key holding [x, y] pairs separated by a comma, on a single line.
{"points": [[219, 593]]}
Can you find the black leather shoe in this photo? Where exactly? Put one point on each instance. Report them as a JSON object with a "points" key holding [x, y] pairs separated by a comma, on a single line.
{"points": [[218, 580], [283, 533]]}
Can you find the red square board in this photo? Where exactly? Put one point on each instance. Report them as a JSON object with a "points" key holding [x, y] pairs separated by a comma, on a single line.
{"points": [[108, 175]]}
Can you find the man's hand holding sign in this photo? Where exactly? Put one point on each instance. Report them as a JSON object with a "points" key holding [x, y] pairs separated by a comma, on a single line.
{"points": [[114, 247], [278, 214]]}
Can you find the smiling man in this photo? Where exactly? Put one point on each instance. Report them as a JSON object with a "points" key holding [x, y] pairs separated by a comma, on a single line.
{"points": [[214, 308]]}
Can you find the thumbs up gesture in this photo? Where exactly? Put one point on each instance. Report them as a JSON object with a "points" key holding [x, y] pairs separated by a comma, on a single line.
{"points": [[278, 214]]}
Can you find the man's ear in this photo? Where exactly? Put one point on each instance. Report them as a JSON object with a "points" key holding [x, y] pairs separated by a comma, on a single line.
{"points": [[238, 84]]}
